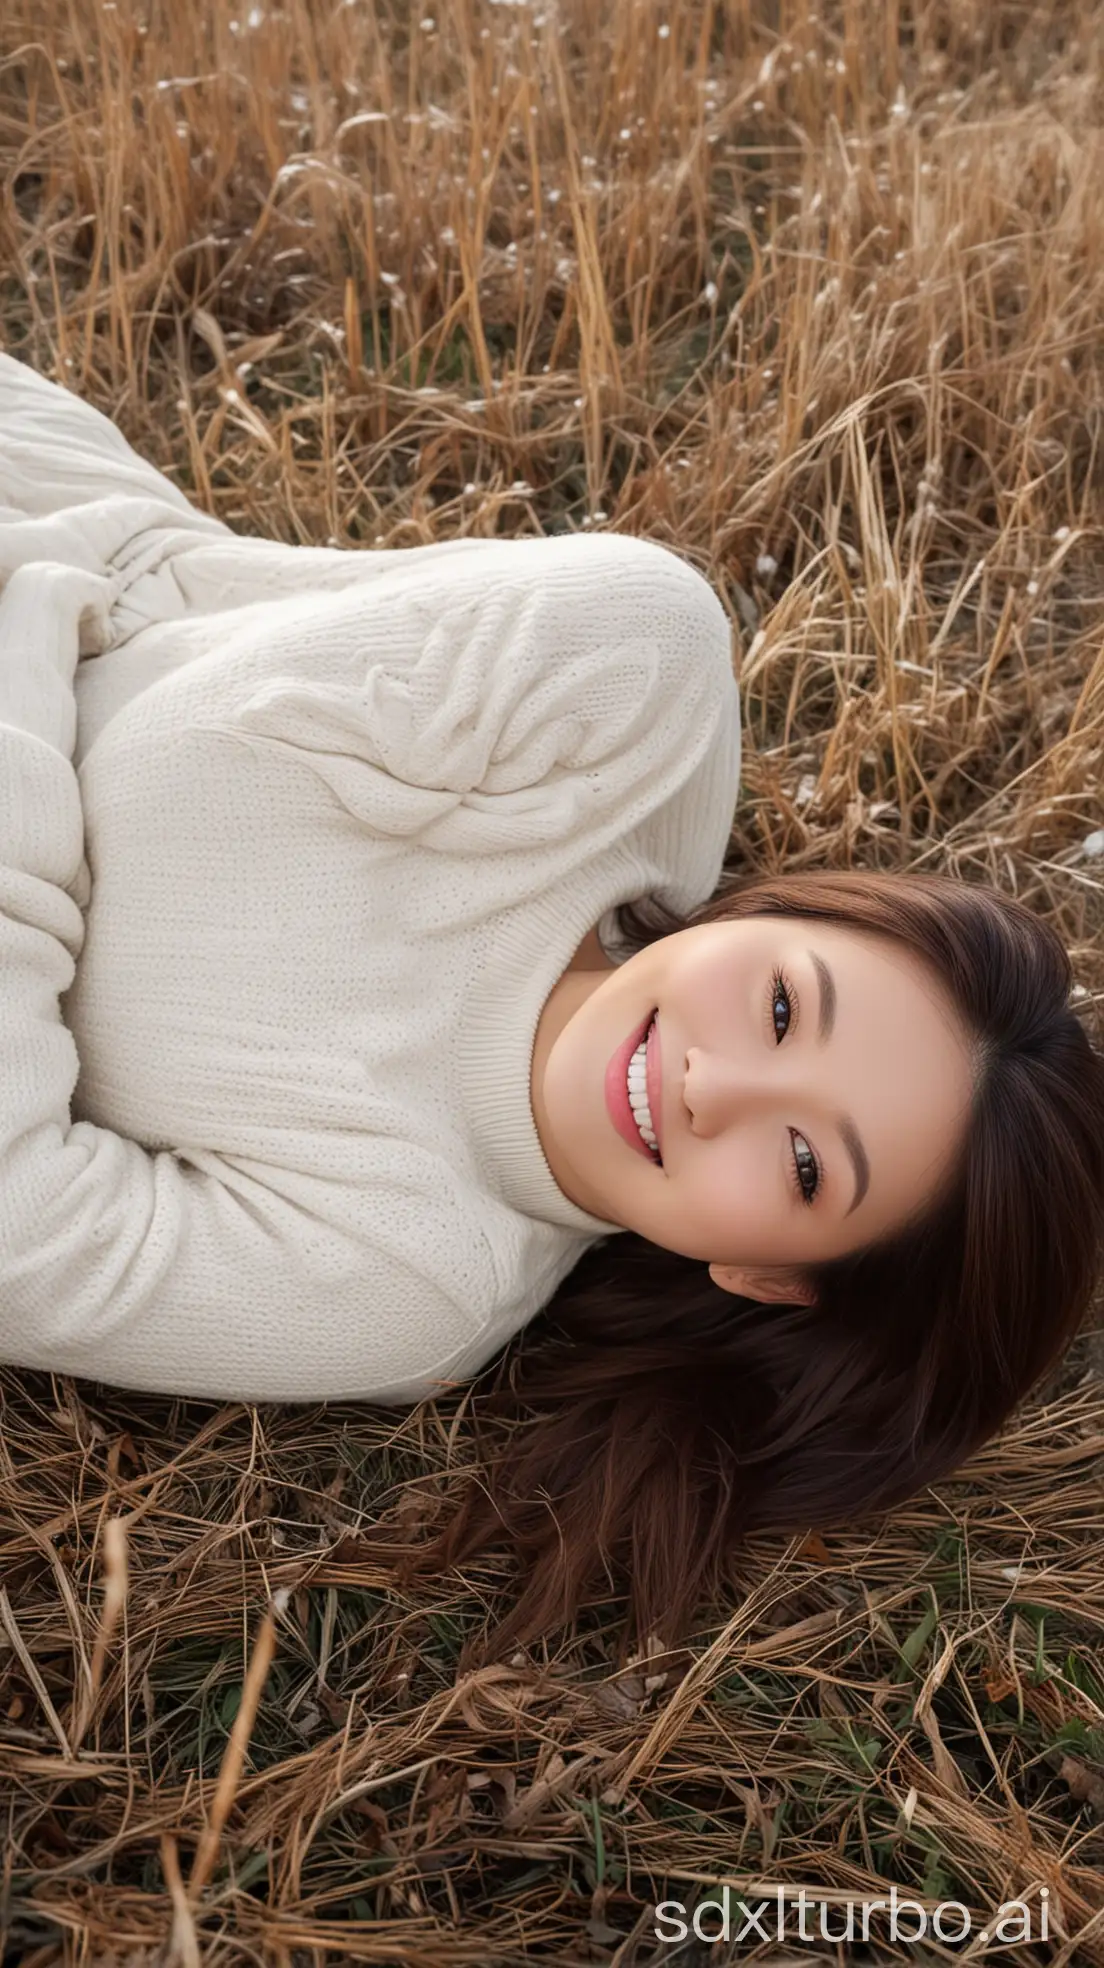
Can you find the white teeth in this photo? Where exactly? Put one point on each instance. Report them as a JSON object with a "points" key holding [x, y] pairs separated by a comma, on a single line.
{"points": [[638, 1093]]}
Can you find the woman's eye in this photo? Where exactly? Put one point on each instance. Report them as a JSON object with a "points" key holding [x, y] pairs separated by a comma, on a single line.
{"points": [[781, 1007], [807, 1174]]}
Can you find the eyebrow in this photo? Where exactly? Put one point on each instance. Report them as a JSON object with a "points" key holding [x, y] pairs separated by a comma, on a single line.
{"points": [[849, 1133], [827, 996]]}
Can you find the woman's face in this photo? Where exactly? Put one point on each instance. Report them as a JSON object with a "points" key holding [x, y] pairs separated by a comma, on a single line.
{"points": [[813, 1083]]}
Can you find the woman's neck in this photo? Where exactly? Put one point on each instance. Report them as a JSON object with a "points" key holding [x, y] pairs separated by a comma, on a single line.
{"points": [[582, 976]]}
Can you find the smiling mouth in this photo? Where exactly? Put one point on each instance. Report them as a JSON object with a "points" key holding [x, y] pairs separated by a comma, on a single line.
{"points": [[641, 1086]]}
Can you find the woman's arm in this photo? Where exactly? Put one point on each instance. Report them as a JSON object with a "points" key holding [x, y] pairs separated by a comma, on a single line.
{"points": [[166, 563], [143, 1269], [73, 491]]}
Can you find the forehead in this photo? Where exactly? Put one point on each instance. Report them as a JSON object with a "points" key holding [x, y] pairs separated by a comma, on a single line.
{"points": [[858, 953], [892, 1011], [873, 968]]}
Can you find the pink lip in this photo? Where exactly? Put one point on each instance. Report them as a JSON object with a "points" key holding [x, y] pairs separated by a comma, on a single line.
{"points": [[617, 1098]]}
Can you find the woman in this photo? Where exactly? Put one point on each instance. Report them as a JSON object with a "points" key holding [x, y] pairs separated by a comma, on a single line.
{"points": [[366, 1048]]}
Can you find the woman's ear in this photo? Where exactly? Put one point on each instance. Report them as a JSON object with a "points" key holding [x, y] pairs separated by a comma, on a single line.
{"points": [[771, 1287]]}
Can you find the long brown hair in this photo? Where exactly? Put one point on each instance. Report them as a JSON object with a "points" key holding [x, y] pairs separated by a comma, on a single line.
{"points": [[648, 1420]]}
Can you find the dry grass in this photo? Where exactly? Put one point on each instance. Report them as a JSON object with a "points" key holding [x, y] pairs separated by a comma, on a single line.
{"points": [[816, 296]]}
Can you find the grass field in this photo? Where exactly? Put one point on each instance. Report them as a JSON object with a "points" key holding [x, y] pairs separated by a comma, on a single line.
{"points": [[814, 294]]}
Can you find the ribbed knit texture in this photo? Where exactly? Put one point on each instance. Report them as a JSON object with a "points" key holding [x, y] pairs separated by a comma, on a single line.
{"points": [[287, 872]]}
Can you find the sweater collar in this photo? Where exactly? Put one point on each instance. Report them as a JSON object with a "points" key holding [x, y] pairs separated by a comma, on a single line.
{"points": [[522, 959]]}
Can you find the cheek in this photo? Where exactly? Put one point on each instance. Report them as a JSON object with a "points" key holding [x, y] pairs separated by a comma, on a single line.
{"points": [[732, 1181]]}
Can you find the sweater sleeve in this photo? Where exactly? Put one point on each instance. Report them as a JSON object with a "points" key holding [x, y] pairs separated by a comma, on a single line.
{"points": [[111, 1256], [73, 491], [543, 691]]}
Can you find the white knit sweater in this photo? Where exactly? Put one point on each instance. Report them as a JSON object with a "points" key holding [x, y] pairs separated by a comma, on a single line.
{"points": [[287, 873]]}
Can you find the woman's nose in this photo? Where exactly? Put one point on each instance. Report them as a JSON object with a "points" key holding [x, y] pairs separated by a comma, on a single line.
{"points": [[719, 1087]]}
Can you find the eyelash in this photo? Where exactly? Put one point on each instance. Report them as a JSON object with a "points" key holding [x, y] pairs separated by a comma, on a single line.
{"points": [[780, 987]]}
